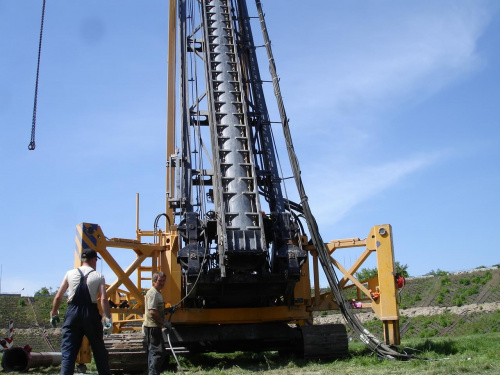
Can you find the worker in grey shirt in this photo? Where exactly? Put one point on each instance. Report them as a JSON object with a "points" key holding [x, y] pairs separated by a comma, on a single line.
{"points": [[154, 320]]}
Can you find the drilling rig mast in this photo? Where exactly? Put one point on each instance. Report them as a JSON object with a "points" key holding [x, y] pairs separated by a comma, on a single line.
{"points": [[226, 164]]}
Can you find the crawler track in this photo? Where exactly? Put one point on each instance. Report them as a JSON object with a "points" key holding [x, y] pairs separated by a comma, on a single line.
{"points": [[126, 352]]}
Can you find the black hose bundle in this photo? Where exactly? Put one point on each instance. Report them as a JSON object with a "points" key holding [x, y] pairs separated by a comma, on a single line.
{"points": [[377, 346]]}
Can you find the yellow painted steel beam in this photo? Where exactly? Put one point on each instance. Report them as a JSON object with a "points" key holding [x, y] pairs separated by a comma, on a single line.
{"points": [[142, 247], [120, 274], [391, 332], [302, 290], [325, 301], [133, 267], [171, 292], [386, 305], [316, 300], [344, 244], [240, 315], [171, 105], [359, 262], [349, 276], [130, 310], [85, 352], [160, 254]]}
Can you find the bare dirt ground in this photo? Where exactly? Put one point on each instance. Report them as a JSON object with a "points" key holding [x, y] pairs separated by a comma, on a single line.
{"points": [[416, 311]]}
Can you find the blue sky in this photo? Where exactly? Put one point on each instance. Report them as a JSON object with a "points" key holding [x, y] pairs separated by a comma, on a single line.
{"points": [[393, 107]]}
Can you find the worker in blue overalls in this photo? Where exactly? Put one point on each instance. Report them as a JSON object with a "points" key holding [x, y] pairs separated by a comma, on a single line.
{"points": [[83, 284]]}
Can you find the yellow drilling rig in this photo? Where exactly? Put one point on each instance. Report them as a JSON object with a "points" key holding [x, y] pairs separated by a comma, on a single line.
{"points": [[242, 260]]}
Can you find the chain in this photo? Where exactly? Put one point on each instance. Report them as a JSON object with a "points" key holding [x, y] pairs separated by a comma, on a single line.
{"points": [[31, 146]]}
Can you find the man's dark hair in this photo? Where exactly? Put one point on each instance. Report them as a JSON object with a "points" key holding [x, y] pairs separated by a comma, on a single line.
{"points": [[157, 275]]}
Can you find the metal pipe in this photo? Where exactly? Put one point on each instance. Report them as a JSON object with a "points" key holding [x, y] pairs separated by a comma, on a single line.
{"points": [[21, 359], [171, 60], [137, 216]]}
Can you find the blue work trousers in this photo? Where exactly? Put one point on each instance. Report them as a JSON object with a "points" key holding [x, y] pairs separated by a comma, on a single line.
{"points": [[155, 349], [83, 320]]}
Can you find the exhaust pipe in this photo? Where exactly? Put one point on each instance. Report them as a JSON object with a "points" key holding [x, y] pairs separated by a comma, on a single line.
{"points": [[21, 359]]}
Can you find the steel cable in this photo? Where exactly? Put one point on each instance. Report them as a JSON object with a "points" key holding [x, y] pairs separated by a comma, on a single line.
{"points": [[377, 346], [32, 145]]}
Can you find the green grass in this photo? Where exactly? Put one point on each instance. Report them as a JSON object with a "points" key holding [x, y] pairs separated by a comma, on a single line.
{"points": [[468, 354], [473, 354]]}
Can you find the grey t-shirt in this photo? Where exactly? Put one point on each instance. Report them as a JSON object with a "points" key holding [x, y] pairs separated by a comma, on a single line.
{"points": [[153, 301]]}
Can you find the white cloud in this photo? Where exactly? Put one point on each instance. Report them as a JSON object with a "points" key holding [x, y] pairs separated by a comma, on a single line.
{"points": [[380, 62], [371, 66], [355, 186]]}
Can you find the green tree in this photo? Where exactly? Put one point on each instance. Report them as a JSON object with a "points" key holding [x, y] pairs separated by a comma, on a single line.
{"points": [[402, 269], [368, 273], [438, 272], [44, 291]]}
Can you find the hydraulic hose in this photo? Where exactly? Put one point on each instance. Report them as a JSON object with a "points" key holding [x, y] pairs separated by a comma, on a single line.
{"points": [[377, 346]]}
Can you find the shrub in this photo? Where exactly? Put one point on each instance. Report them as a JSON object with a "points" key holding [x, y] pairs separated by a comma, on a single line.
{"points": [[428, 333], [473, 290], [426, 323], [446, 280], [441, 295], [438, 272], [482, 279], [442, 273], [459, 300], [445, 320]]}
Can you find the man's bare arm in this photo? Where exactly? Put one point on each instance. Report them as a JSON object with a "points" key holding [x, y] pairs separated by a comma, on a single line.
{"points": [[104, 299], [58, 297]]}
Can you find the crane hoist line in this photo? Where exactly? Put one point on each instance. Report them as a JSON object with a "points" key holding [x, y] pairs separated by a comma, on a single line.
{"points": [[241, 257], [32, 144]]}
